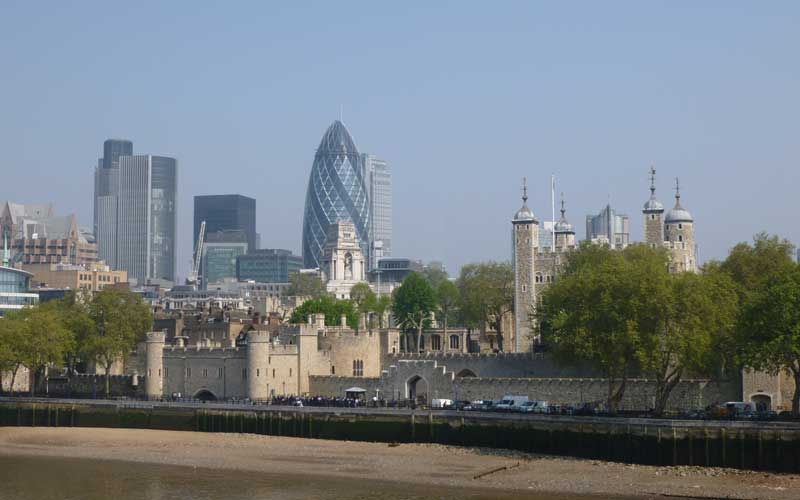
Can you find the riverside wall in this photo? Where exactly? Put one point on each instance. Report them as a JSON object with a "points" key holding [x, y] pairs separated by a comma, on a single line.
{"points": [[745, 445]]}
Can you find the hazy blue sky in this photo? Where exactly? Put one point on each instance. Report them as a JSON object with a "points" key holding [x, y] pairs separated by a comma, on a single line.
{"points": [[463, 98]]}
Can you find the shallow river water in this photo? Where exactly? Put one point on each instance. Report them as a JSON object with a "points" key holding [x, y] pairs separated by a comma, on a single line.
{"points": [[28, 478]]}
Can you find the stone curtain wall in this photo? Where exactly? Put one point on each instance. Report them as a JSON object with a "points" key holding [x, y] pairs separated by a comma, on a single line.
{"points": [[91, 386], [437, 380], [536, 365]]}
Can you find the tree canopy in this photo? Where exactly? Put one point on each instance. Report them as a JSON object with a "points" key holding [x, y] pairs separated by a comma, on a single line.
{"points": [[486, 295], [414, 301], [332, 308]]}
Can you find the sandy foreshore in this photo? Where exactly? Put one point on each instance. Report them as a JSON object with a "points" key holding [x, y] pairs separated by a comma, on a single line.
{"points": [[420, 464]]}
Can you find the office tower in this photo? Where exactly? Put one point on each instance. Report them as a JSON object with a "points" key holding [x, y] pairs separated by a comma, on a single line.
{"points": [[147, 217], [227, 212], [220, 251], [336, 192], [378, 180], [106, 183], [608, 228], [268, 265]]}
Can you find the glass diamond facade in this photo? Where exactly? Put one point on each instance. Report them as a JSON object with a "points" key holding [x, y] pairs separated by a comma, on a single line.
{"points": [[336, 192]]}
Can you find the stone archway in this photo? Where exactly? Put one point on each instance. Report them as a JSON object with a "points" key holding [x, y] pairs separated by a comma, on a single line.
{"points": [[205, 395], [417, 389], [466, 372], [762, 401]]}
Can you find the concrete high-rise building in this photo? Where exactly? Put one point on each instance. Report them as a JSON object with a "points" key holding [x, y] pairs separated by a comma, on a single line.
{"points": [[336, 193], [106, 187], [378, 179], [147, 217], [226, 212], [525, 240], [609, 228]]}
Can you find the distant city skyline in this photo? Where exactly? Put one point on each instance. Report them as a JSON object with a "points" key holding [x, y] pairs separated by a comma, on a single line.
{"points": [[478, 98]]}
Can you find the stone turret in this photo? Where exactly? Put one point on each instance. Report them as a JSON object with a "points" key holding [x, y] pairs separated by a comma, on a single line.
{"points": [[679, 236], [154, 365], [653, 213], [257, 369], [525, 237]]}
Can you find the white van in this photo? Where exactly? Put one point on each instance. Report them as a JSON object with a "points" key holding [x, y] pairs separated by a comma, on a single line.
{"points": [[510, 403]]}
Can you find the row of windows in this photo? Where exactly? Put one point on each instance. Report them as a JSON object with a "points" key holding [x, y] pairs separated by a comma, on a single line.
{"points": [[358, 368], [436, 342]]}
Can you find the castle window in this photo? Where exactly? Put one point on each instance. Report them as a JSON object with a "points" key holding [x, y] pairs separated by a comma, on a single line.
{"points": [[258, 372], [273, 373], [244, 373], [166, 371], [539, 278], [680, 237], [436, 343], [205, 372], [219, 372], [652, 216], [290, 372], [455, 342], [680, 226], [358, 368], [524, 288], [333, 370]]}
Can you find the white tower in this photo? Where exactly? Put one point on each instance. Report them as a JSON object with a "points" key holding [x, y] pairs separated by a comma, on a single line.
{"points": [[342, 260]]}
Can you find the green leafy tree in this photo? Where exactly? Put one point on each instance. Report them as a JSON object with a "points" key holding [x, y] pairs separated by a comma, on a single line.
{"points": [[12, 336], [382, 304], [414, 301], [447, 298], [434, 276], [487, 295], [690, 318], [74, 312], [305, 285], [363, 297], [120, 320], [46, 342], [590, 315], [332, 308], [770, 329]]}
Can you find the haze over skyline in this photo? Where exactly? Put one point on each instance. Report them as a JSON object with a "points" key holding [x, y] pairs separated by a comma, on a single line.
{"points": [[462, 99]]}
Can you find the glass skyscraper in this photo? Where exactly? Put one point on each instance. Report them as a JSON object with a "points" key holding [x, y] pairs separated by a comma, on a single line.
{"points": [[336, 191], [220, 252], [378, 179], [268, 266], [608, 228], [106, 189], [226, 212], [146, 217]]}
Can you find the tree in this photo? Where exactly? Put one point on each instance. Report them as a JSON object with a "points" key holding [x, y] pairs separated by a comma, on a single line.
{"points": [[120, 320], [74, 312], [414, 301], [363, 297], [305, 285], [487, 294], [382, 304], [590, 315], [694, 313], [435, 276], [332, 308], [447, 298], [12, 334], [769, 330], [46, 340]]}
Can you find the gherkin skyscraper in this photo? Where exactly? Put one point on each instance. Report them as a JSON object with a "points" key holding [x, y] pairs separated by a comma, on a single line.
{"points": [[336, 192]]}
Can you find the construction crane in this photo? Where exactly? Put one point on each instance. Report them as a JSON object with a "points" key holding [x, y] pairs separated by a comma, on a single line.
{"points": [[198, 255]]}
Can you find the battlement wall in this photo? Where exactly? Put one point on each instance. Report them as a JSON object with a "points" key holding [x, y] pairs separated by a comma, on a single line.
{"points": [[516, 365]]}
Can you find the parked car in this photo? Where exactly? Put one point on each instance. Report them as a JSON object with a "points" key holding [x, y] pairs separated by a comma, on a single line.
{"points": [[479, 405], [511, 403], [533, 407]]}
